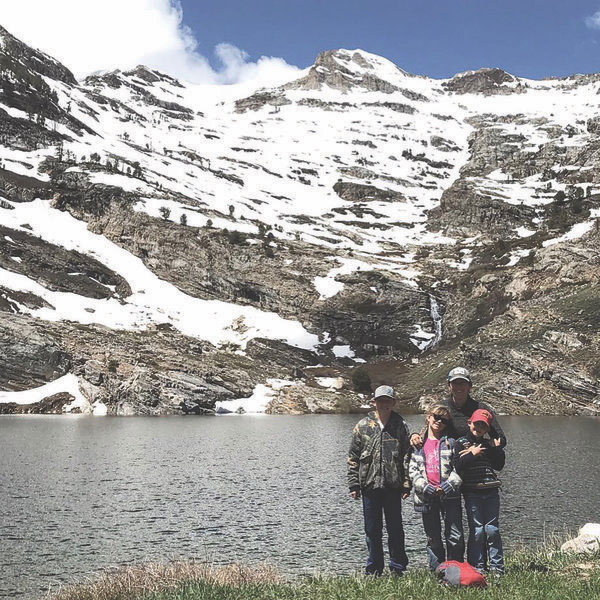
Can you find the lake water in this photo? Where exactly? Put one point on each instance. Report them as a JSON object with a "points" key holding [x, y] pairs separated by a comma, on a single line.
{"points": [[81, 493]]}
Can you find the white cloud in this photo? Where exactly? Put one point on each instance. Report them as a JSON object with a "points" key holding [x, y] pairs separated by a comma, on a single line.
{"points": [[593, 22], [93, 35], [237, 69]]}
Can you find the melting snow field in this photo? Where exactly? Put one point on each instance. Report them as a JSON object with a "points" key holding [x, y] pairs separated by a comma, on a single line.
{"points": [[65, 384], [274, 165], [152, 300]]}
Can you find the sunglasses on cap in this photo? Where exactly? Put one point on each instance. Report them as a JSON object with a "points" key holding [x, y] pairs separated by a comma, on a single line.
{"points": [[441, 419]]}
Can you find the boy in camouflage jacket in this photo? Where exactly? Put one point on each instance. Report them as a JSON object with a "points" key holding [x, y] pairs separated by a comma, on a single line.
{"points": [[377, 472]]}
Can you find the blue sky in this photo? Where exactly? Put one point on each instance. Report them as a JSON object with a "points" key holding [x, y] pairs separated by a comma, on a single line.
{"points": [[203, 41], [530, 38]]}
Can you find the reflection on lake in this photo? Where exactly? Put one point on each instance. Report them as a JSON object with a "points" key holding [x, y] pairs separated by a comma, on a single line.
{"points": [[81, 493]]}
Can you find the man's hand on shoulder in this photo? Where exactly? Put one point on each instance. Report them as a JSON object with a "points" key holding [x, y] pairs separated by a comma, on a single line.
{"points": [[466, 449], [416, 441], [476, 449]]}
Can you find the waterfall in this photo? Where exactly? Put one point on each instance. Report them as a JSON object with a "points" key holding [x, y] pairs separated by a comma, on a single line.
{"points": [[425, 340], [436, 316]]}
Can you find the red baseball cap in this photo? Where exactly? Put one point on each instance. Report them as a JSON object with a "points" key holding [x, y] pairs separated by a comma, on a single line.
{"points": [[482, 415]]}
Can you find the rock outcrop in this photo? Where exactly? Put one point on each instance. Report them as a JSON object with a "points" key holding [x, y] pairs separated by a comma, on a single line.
{"points": [[299, 399], [587, 541], [483, 81]]}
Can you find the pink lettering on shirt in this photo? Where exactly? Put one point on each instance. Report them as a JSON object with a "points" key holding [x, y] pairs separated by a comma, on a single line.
{"points": [[431, 451]]}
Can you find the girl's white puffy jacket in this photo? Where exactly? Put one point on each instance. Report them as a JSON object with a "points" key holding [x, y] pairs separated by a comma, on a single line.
{"points": [[449, 478]]}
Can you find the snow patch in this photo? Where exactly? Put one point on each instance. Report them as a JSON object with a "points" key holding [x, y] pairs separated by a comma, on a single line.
{"points": [[336, 383], [343, 352], [328, 286], [67, 383], [517, 255], [259, 400], [523, 232], [99, 409], [578, 230], [128, 184], [421, 338]]}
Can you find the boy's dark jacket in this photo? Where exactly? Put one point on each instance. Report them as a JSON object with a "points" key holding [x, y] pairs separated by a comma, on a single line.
{"points": [[379, 458], [478, 473]]}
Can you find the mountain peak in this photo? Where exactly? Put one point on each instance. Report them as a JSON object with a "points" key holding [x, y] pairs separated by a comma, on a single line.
{"points": [[361, 60], [344, 70]]}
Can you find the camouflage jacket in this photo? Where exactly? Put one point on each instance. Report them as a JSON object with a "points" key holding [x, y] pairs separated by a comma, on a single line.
{"points": [[379, 458]]}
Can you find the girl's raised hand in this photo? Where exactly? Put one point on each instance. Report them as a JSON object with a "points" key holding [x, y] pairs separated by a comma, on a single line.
{"points": [[416, 441]]}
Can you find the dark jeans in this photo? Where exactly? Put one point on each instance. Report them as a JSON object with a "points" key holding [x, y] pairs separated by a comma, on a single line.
{"points": [[377, 503], [450, 510], [483, 509]]}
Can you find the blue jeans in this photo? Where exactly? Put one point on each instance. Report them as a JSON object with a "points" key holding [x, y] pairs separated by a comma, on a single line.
{"points": [[451, 511], [377, 503], [483, 509]]}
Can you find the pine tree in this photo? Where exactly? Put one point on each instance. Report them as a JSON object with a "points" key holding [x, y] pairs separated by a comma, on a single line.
{"points": [[361, 380]]}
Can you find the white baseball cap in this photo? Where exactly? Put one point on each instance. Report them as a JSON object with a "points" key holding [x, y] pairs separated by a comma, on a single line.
{"points": [[384, 390]]}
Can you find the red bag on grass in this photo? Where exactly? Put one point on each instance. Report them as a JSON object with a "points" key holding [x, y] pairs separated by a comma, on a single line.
{"points": [[452, 572]]}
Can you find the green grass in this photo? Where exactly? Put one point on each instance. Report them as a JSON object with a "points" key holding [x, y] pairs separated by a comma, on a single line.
{"points": [[530, 575], [581, 307]]}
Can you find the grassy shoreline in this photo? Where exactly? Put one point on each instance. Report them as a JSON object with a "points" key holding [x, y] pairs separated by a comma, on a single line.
{"points": [[530, 575]]}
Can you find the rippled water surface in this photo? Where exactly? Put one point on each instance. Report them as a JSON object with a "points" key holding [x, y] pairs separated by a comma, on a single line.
{"points": [[81, 493]]}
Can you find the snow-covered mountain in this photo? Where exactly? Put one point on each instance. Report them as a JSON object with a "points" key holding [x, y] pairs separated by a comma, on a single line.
{"points": [[166, 246]]}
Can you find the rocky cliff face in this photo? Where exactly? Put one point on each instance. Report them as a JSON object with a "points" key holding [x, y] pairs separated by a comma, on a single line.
{"points": [[176, 248]]}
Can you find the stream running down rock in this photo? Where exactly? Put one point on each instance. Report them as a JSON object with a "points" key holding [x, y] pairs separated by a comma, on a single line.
{"points": [[437, 319]]}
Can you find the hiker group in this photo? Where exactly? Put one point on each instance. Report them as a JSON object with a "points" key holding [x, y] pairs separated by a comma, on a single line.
{"points": [[454, 457]]}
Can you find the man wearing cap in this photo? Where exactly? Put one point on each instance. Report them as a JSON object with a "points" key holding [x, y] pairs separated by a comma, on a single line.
{"points": [[462, 406], [377, 472]]}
